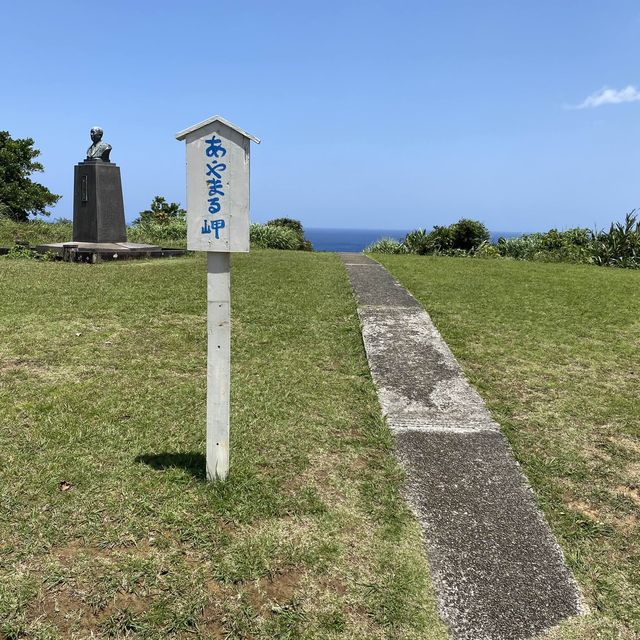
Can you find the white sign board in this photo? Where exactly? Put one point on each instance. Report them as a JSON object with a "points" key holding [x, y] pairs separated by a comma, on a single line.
{"points": [[217, 186], [218, 223]]}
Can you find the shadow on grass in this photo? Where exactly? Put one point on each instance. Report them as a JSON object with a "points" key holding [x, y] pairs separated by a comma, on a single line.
{"points": [[192, 462]]}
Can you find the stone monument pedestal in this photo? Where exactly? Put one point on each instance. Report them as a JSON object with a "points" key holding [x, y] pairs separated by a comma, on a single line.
{"points": [[101, 251], [98, 206]]}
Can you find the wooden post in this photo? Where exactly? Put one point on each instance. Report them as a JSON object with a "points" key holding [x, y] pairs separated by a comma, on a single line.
{"points": [[218, 364], [218, 223]]}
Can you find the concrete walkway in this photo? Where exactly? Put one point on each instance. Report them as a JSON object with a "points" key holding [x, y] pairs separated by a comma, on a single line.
{"points": [[497, 568]]}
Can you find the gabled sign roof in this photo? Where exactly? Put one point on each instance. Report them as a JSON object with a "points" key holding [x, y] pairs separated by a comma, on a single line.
{"points": [[183, 134]]}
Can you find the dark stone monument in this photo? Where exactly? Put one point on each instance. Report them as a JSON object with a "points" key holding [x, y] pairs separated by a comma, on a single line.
{"points": [[98, 206], [99, 230]]}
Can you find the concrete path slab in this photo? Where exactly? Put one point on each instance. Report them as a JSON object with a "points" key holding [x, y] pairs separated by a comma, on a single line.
{"points": [[498, 570]]}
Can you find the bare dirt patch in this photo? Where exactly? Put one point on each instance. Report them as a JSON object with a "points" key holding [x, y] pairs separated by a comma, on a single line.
{"points": [[273, 590], [333, 585], [18, 365], [631, 491], [41, 371], [66, 554], [69, 613], [325, 474], [212, 623], [280, 587], [585, 509], [628, 443], [627, 523]]}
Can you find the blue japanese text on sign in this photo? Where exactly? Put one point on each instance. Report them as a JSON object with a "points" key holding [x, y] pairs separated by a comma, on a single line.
{"points": [[213, 174]]}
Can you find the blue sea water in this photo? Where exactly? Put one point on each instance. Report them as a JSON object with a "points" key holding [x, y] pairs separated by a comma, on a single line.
{"points": [[357, 239]]}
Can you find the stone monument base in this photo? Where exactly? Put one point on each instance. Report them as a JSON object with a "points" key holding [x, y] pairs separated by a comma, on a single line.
{"points": [[98, 207], [100, 251]]}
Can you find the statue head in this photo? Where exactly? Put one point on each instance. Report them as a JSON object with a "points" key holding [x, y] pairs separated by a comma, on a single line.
{"points": [[98, 150], [96, 134]]}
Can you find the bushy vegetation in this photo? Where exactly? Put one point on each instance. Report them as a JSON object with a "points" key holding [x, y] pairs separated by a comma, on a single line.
{"points": [[620, 246], [279, 233], [386, 245], [460, 238], [146, 229], [572, 245], [617, 247], [164, 223], [161, 212], [19, 252], [467, 235], [266, 236], [296, 227], [171, 233], [414, 242], [288, 223], [24, 252], [36, 231]]}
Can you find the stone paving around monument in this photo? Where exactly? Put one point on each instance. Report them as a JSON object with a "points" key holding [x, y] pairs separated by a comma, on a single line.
{"points": [[498, 570]]}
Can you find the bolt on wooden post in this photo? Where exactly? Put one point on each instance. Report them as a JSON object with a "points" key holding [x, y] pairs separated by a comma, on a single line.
{"points": [[218, 223]]}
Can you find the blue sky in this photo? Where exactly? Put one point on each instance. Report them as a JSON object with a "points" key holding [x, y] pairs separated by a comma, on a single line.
{"points": [[389, 115]]}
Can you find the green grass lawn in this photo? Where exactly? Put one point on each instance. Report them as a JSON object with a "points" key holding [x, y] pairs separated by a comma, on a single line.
{"points": [[555, 351], [107, 526]]}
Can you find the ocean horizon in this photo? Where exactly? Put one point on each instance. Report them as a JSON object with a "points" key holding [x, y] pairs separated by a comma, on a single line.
{"points": [[355, 240]]}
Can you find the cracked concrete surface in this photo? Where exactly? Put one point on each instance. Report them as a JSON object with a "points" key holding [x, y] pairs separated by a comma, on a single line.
{"points": [[498, 570]]}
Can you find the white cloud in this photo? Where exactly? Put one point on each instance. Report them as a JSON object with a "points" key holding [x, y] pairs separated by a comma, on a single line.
{"points": [[610, 96]]}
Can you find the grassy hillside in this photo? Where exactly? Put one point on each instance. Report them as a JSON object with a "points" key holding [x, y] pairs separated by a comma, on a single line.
{"points": [[555, 349], [106, 524], [34, 232]]}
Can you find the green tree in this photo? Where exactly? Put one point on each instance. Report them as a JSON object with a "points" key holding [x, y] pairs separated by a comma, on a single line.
{"points": [[20, 197], [162, 212], [468, 234]]}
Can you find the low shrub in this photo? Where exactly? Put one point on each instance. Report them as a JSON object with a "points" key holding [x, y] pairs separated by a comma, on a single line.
{"points": [[617, 247], [572, 245], [460, 238], [170, 233], [620, 246], [439, 240], [468, 235], [161, 212], [164, 223], [521, 248], [296, 227], [22, 252], [34, 231], [417, 242], [486, 250], [167, 233], [289, 223], [265, 236], [386, 245]]}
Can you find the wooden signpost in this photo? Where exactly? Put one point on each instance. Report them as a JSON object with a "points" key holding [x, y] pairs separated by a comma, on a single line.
{"points": [[218, 223]]}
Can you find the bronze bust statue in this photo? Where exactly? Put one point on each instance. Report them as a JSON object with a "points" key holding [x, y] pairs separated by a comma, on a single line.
{"points": [[98, 150]]}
